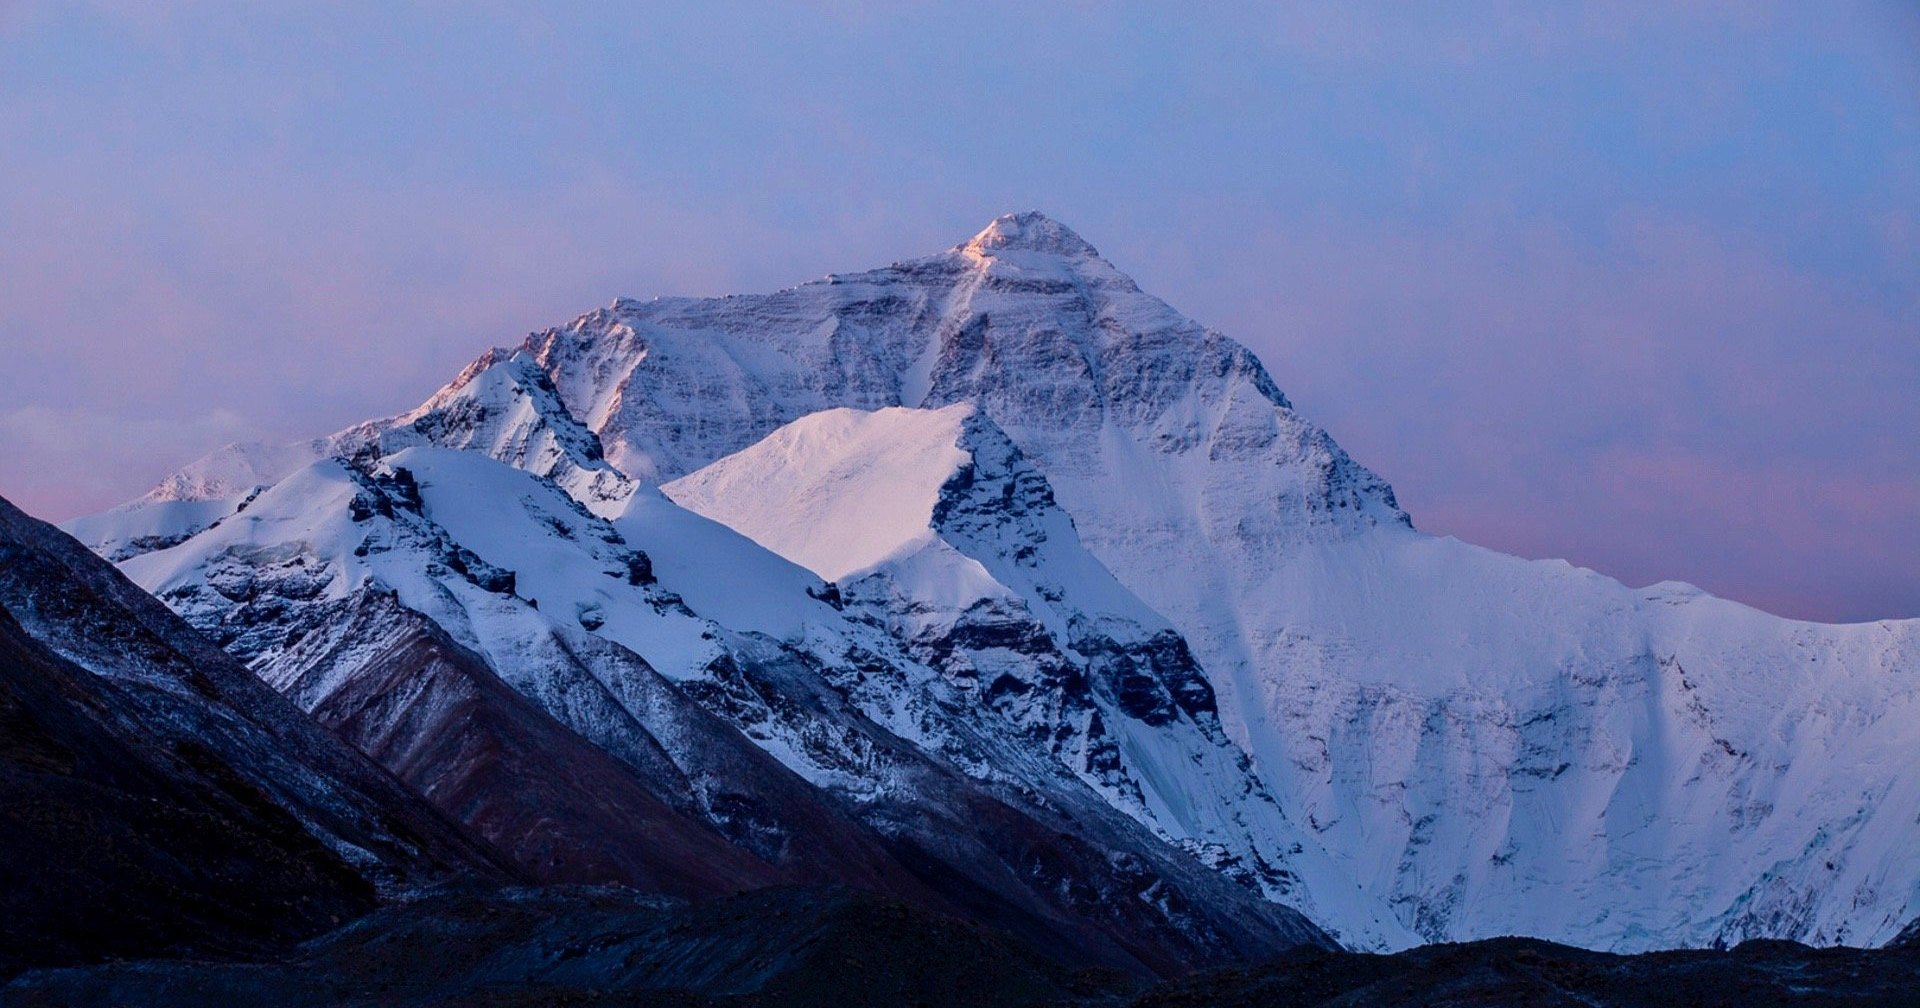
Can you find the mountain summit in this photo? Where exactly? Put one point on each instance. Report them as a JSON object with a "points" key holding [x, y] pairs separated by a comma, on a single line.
{"points": [[1147, 609], [1029, 231]]}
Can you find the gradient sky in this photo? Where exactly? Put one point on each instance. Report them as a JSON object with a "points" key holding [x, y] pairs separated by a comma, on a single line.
{"points": [[1637, 287]]}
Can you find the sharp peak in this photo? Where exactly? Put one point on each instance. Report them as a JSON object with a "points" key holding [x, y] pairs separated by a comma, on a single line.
{"points": [[1032, 231], [517, 360]]}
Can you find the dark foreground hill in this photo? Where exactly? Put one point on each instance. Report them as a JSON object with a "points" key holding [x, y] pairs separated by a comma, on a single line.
{"points": [[792, 947], [1525, 972], [613, 946], [159, 799]]}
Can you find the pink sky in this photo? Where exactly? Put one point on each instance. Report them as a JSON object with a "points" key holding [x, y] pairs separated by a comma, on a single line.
{"points": [[1638, 290]]}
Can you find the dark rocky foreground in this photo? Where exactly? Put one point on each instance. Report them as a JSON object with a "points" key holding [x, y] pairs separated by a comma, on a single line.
{"points": [[833, 947], [157, 799], [612, 946], [1525, 972]]}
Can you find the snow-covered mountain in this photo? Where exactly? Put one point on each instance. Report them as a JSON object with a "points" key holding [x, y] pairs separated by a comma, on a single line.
{"points": [[475, 628], [1072, 544]]}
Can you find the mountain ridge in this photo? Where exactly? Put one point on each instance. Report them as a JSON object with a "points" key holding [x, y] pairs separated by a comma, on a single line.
{"points": [[1485, 744]]}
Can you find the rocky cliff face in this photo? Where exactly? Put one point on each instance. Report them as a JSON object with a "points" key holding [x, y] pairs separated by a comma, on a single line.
{"points": [[1479, 744]]}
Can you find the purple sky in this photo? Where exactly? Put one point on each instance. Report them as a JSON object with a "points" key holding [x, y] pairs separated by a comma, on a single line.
{"points": [[1639, 289]]}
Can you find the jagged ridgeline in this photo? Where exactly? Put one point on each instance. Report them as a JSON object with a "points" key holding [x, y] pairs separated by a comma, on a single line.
{"points": [[990, 582]]}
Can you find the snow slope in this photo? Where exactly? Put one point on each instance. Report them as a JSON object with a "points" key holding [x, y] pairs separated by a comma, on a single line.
{"points": [[1534, 747], [840, 493]]}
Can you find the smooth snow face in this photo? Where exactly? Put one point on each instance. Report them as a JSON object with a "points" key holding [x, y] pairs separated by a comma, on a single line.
{"points": [[192, 500], [720, 572], [847, 492], [838, 492]]}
